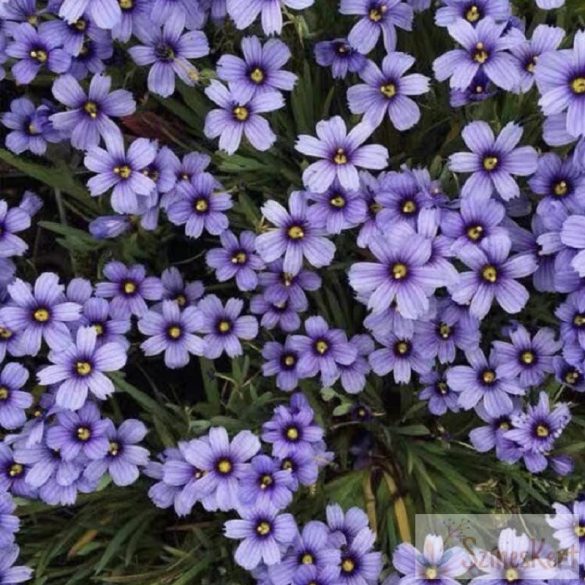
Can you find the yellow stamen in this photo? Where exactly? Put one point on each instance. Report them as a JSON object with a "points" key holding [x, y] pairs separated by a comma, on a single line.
{"points": [[296, 232], [241, 113], [490, 274], [388, 90], [41, 315], [83, 368]]}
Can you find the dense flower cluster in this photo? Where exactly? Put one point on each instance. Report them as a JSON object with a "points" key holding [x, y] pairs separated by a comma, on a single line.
{"points": [[444, 262]]}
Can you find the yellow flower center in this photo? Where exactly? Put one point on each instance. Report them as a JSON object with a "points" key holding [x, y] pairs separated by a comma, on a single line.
{"points": [[442, 387], [99, 329], [444, 331], [488, 376], [257, 75], [307, 559], [409, 207], [531, 65], [490, 274], [475, 232], [347, 565], [123, 172], [32, 19], [431, 573], [15, 470], [83, 368], [83, 434], [41, 315], [224, 466], [114, 448], [5, 333], [473, 14], [80, 25], [561, 189], [239, 258], [289, 361], [181, 300], [287, 465], [337, 201], [340, 157], [480, 55], [174, 332], [578, 85], [388, 90], [490, 163], [504, 425], [224, 326], [126, 4], [3, 393], [129, 287], [265, 481], [263, 528], [572, 377], [321, 346], [527, 357], [241, 113], [296, 232], [201, 205], [402, 347], [542, 431], [511, 574], [39, 55], [580, 531], [376, 14], [91, 109], [292, 433], [399, 271]]}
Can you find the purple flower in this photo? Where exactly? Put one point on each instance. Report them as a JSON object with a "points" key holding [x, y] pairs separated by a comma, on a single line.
{"points": [[472, 11], [39, 313], [484, 50], [13, 401], [491, 435], [263, 532], [236, 258], [568, 524], [282, 362], [536, 431], [492, 275], [451, 329], [340, 56], [486, 381], [544, 38], [81, 432], [124, 456], [237, 116], [572, 236], [558, 180], [265, 484], [12, 221], [223, 463], [377, 16], [569, 374], [560, 78], [31, 127], [9, 574], [280, 286], [96, 313], [311, 546], [88, 116], [169, 50], [36, 49], [129, 288], [176, 289], [400, 355], [385, 92], [295, 236], [259, 71], [529, 359], [199, 206], [172, 331], [440, 395], [338, 209], [292, 433], [342, 153], [224, 327], [345, 525], [110, 226], [12, 475], [105, 13], [9, 523], [353, 375], [284, 315], [492, 161], [321, 350], [97, 47], [401, 273], [122, 171], [434, 564], [79, 368], [270, 12], [359, 564]]}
